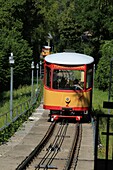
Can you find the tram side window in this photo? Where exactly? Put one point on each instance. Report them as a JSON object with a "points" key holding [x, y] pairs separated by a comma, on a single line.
{"points": [[48, 77], [89, 79]]}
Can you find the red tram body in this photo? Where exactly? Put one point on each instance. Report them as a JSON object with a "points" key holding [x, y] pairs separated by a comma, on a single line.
{"points": [[68, 84]]}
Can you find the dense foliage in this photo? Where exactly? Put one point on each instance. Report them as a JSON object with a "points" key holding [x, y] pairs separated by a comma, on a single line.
{"points": [[84, 26], [103, 70]]}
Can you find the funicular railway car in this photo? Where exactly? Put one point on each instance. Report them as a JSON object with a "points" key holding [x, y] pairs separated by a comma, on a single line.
{"points": [[68, 84], [45, 51]]}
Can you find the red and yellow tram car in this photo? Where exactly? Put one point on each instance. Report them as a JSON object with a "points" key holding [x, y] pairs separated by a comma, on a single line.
{"points": [[68, 83], [45, 51]]}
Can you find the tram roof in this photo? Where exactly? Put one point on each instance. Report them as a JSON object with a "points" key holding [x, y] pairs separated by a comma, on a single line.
{"points": [[48, 47], [68, 58]]}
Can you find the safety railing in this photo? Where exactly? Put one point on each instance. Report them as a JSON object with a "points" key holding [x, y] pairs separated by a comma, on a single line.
{"points": [[19, 110]]}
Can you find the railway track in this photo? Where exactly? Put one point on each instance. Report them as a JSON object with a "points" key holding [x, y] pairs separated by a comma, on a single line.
{"points": [[58, 149]]}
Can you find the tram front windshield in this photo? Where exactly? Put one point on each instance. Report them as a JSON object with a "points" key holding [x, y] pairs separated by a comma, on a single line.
{"points": [[68, 79]]}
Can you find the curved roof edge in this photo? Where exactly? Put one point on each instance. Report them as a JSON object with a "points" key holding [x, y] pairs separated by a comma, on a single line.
{"points": [[48, 47], [68, 58]]}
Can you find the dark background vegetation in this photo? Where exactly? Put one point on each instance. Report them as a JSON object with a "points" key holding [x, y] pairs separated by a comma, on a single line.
{"points": [[85, 26]]}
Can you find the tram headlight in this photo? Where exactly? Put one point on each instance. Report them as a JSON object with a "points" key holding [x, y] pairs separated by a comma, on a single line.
{"points": [[67, 100]]}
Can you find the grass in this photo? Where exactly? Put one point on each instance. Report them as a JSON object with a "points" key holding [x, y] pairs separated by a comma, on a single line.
{"points": [[98, 98], [23, 104], [20, 95]]}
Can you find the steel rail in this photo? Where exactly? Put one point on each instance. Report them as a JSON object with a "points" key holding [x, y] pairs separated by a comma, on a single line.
{"points": [[37, 149], [75, 159], [59, 144], [74, 146], [54, 147]]}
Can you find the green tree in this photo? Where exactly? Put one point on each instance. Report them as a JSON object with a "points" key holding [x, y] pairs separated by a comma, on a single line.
{"points": [[12, 41], [25, 24], [103, 68]]}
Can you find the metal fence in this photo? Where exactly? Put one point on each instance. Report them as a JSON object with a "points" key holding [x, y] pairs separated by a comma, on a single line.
{"points": [[19, 110]]}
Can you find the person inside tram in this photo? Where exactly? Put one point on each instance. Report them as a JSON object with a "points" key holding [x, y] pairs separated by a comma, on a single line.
{"points": [[76, 85], [62, 83], [67, 85]]}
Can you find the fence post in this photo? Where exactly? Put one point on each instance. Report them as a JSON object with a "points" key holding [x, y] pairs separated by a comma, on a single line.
{"points": [[11, 61]]}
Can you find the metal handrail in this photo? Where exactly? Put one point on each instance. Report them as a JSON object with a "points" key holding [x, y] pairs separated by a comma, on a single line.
{"points": [[19, 110]]}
